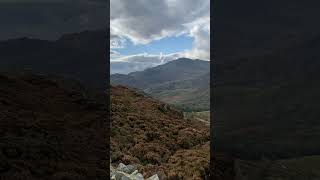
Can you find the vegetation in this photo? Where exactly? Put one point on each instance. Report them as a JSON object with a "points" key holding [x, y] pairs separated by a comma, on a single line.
{"points": [[155, 137], [184, 83]]}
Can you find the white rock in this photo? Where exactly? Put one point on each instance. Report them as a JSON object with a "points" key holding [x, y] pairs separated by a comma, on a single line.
{"points": [[139, 177], [131, 169], [126, 178], [154, 177], [134, 173], [121, 167]]}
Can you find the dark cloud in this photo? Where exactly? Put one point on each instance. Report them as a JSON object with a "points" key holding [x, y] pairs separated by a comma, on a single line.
{"points": [[48, 19]]}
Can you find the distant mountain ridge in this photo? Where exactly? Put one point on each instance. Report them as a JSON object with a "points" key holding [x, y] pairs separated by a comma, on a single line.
{"points": [[183, 82]]}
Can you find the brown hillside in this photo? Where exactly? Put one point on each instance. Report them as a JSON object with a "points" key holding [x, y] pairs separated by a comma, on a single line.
{"points": [[155, 137]]}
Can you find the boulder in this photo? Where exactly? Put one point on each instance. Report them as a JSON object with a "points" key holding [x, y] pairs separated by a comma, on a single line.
{"points": [[154, 177], [128, 172]]}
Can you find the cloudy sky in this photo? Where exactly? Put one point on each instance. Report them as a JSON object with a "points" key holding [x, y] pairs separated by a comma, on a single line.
{"points": [[146, 33]]}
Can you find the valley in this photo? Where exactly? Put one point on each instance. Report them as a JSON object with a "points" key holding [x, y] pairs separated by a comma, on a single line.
{"points": [[184, 83]]}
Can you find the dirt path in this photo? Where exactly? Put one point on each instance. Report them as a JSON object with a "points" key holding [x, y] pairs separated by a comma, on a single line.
{"points": [[204, 121]]}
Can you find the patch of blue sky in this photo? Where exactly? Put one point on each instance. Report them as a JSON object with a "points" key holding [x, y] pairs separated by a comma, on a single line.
{"points": [[166, 45]]}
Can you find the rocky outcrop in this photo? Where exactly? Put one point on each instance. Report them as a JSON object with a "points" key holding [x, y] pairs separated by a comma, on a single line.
{"points": [[129, 172]]}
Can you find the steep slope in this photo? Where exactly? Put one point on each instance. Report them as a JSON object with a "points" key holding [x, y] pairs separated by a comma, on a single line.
{"points": [[188, 95], [51, 128], [182, 82], [155, 137]]}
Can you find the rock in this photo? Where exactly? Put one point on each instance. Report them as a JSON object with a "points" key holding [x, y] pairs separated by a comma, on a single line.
{"points": [[112, 172], [126, 178], [134, 173], [112, 169], [131, 169], [139, 177], [129, 172], [154, 177], [118, 175], [122, 167]]}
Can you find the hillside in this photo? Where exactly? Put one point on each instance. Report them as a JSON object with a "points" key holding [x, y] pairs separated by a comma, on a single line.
{"points": [[155, 137], [184, 83], [51, 128]]}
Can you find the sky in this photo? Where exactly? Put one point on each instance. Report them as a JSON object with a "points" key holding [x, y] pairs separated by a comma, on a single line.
{"points": [[147, 33]]}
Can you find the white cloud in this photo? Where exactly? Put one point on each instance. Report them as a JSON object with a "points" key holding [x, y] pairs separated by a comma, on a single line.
{"points": [[117, 42], [200, 31], [139, 62], [143, 21], [114, 54]]}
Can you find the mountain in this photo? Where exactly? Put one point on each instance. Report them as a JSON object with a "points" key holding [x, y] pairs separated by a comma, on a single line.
{"points": [[78, 55], [51, 128], [156, 138], [182, 82]]}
